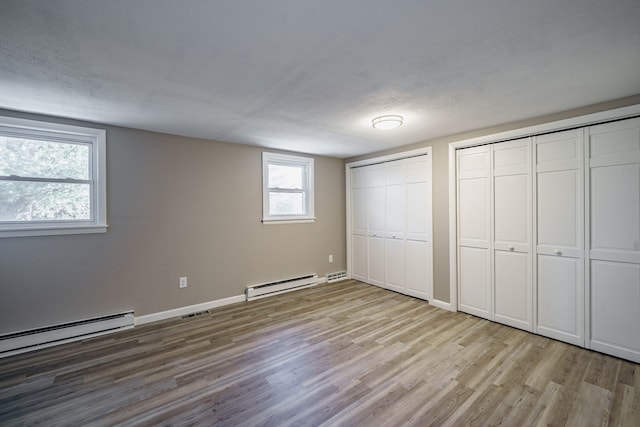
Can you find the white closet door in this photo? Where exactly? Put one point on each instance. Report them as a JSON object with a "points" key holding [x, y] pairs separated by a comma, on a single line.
{"points": [[511, 229], [418, 243], [394, 225], [474, 233], [375, 225], [614, 160], [391, 225], [559, 236], [359, 252]]}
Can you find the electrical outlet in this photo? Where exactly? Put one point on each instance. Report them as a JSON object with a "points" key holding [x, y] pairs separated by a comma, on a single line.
{"points": [[183, 282], [330, 258]]}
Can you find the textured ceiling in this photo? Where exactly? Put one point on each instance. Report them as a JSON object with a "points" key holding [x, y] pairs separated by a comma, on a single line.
{"points": [[309, 75]]}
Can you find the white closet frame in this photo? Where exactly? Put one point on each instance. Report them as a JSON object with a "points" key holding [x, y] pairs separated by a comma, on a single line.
{"points": [[373, 161], [575, 122]]}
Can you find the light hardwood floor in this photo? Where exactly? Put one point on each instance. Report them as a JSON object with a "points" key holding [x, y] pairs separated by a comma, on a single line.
{"points": [[344, 354]]}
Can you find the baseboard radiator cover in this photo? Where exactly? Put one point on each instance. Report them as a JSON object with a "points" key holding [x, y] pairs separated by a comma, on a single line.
{"points": [[34, 339], [337, 276], [274, 288]]}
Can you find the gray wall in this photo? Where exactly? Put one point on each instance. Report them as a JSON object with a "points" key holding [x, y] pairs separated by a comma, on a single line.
{"points": [[189, 207], [441, 180], [176, 207]]}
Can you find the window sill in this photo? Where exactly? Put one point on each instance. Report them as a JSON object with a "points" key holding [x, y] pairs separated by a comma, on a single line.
{"points": [[266, 221], [52, 231]]}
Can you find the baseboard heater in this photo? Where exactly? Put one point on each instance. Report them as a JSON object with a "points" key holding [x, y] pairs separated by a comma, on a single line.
{"points": [[280, 286], [20, 342]]}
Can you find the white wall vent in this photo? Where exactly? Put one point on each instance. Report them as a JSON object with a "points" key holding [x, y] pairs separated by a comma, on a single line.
{"points": [[33, 339], [336, 277], [280, 286]]}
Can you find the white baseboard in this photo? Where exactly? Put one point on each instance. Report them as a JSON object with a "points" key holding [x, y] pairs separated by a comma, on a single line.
{"points": [[441, 304], [181, 311]]}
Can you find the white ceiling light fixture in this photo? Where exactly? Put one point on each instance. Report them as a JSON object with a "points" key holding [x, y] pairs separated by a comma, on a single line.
{"points": [[387, 122]]}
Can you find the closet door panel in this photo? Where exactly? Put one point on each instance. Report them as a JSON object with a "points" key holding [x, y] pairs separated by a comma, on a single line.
{"points": [[375, 211], [374, 175], [473, 162], [416, 169], [615, 289], [376, 273], [475, 281], [512, 289], [558, 203], [512, 212], [560, 236], [559, 151], [395, 211], [359, 211], [474, 213], [395, 264], [360, 257], [418, 268], [394, 172], [615, 213], [418, 209], [615, 143], [511, 234], [614, 248], [359, 177], [560, 298], [474, 231], [511, 158]]}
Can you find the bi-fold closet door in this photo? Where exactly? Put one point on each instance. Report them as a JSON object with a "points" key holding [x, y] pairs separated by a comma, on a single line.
{"points": [[367, 219], [494, 232], [559, 236], [614, 238], [578, 210], [505, 210], [391, 225]]}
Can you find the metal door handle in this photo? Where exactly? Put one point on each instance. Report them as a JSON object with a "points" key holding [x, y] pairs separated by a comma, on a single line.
{"points": [[557, 252]]}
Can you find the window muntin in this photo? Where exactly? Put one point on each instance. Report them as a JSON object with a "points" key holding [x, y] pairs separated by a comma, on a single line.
{"points": [[52, 179], [287, 188]]}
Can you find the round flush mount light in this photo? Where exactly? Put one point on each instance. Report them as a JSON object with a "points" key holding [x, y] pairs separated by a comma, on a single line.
{"points": [[387, 122]]}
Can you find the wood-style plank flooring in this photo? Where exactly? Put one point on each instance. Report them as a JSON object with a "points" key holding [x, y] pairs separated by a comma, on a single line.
{"points": [[344, 354]]}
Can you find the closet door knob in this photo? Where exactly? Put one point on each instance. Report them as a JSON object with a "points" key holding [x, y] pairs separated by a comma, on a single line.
{"points": [[557, 252], [511, 248]]}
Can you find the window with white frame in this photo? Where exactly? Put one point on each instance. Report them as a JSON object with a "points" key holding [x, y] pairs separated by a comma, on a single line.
{"points": [[52, 178], [287, 188]]}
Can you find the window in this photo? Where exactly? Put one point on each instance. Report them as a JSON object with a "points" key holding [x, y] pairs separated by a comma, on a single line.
{"points": [[287, 184], [52, 179]]}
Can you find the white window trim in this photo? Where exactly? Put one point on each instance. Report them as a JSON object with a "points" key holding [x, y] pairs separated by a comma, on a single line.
{"points": [[307, 162], [61, 132]]}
